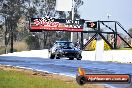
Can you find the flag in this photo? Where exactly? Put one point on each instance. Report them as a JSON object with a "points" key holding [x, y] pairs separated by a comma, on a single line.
{"points": [[63, 5]]}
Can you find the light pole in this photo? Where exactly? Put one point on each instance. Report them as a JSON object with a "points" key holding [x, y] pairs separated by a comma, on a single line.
{"points": [[108, 16], [73, 4]]}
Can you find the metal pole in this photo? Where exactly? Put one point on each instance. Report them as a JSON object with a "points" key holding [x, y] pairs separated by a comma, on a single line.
{"points": [[115, 37], [108, 15], [72, 18]]}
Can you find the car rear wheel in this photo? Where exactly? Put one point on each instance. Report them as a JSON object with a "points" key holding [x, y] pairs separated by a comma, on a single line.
{"points": [[79, 57], [71, 58], [57, 57]]}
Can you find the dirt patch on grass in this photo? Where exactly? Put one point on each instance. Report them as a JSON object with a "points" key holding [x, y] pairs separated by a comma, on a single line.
{"points": [[32, 73]]}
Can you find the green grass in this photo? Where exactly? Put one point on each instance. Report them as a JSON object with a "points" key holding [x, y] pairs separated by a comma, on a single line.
{"points": [[12, 79]]}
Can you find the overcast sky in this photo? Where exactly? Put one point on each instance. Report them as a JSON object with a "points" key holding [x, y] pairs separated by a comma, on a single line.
{"points": [[120, 10]]}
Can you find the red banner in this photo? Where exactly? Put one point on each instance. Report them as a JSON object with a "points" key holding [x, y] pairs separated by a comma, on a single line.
{"points": [[56, 25]]}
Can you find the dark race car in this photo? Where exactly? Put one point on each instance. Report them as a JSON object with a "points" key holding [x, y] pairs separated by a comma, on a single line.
{"points": [[64, 49]]}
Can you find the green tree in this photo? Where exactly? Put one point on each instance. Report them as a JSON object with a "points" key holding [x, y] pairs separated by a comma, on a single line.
{"points": [[16, 9], [32, 42], [130, 31]]}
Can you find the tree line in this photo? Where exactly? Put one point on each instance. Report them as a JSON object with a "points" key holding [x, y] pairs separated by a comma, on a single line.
{"points": [[17, 13]]}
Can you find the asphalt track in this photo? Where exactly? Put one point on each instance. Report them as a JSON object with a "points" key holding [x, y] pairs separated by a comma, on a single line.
{"points": [[68, 67]]}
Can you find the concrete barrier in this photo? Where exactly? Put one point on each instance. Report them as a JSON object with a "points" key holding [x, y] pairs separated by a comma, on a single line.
{"points": [[123, 56], [33, 53]]}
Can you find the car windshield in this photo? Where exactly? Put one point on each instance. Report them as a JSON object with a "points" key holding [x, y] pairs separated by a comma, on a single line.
{"points": [[65, 44]]}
